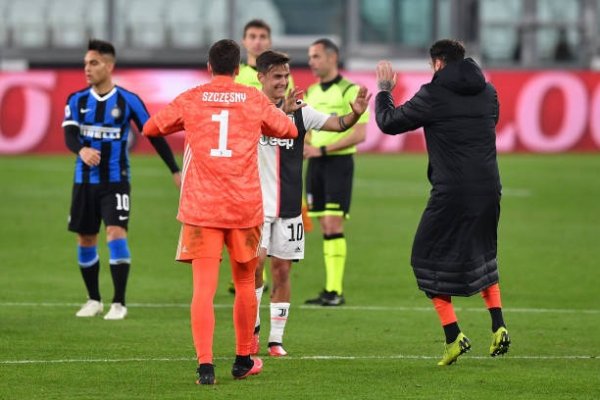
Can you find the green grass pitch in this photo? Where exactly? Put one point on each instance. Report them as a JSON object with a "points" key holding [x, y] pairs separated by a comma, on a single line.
{"points": [[383, 344]]}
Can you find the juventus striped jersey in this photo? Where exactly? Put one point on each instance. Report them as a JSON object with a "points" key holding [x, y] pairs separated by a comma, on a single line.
{"points": [[280, 166], [104, 124]]}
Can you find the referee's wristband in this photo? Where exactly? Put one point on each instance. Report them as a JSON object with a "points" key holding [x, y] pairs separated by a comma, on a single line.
{"points": [[323, 151]]}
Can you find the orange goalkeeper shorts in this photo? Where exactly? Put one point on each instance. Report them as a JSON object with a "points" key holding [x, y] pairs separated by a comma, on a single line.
{"points": [[202, 242]]}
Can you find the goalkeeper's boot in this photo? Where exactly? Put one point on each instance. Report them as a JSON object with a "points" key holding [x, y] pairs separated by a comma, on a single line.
{"points": [[277, 350], [205, 374], [453, 350], [240, 371], [500, 342]]}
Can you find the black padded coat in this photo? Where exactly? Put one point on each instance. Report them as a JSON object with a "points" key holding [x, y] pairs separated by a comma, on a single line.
{"points": [[455, 247]]}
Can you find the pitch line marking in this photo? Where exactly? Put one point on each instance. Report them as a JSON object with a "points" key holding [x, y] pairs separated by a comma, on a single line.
{"points": [[342, 308], [293, 358]]}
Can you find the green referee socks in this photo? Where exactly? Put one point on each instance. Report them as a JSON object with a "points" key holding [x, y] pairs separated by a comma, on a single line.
{"points": [[334, 251]]}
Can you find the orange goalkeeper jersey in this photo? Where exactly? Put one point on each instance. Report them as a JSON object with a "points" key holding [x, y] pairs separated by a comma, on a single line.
{"points": [[223, 122]]}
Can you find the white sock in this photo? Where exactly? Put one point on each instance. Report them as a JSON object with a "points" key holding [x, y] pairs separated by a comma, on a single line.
{"points": [[259, 293], [279, 317]]}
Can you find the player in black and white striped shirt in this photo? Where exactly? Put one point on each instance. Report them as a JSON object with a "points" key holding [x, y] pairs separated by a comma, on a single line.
{"points": [[280, 168]]}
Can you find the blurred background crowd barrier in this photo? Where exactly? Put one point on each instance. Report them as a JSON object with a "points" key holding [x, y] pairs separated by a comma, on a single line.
{"points": [[542, 55]]}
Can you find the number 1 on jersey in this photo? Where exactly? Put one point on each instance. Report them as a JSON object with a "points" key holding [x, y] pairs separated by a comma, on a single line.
{"points": [[223, 120]]}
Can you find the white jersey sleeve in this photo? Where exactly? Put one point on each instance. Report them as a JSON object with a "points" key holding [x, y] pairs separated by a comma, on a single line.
{"points": [[313, 119]]}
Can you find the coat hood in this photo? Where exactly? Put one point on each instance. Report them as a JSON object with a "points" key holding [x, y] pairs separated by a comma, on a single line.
{"points": [[463, 77]]}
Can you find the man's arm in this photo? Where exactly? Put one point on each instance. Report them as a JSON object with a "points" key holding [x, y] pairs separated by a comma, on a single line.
{"points": [[407, 117], [275, 122], [341, 124], [164, 151], [391, 120], [72, 138], [153, 132], [168, 120], [357, 136], [88, 155]]}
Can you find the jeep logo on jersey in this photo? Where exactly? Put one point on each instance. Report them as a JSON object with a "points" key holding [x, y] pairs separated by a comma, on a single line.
{"points": [[271, 141]]}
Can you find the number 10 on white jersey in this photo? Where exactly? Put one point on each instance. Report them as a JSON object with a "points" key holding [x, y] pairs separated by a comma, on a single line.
{"points": [[223, 120]]}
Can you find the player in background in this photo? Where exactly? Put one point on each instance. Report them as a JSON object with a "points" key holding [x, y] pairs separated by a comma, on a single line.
{"points": [[455, 247], [96, 126], [256, 39], [331, 164], [221, 199], [280, 167]]}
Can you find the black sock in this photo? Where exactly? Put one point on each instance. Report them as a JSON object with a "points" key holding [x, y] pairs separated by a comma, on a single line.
{"points": [[245, 361], [497, 319], [90, 277], [451, 331], [119, 273]]}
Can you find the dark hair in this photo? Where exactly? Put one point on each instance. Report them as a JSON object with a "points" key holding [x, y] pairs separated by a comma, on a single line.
{"points": [[224, 57], [269, 59], [328, 45], [447, 50], [257, 23], [102, 47]]}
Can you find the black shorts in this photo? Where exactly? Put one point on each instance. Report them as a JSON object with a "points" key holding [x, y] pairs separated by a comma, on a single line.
{"points": [[329, 185], [93, 203]]}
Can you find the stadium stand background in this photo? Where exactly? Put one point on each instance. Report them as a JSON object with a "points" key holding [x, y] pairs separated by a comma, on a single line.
{"points": [[505, 33]]}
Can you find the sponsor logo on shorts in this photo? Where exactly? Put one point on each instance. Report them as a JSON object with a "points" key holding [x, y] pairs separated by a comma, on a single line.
{"points": [[123, 217]]}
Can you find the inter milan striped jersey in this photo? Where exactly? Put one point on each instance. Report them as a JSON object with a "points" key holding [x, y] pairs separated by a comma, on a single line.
{"points": [[280, 166], [104, 124]]}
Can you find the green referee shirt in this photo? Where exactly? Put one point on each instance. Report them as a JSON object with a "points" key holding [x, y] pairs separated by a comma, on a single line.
{"points": [[249, 76], [333, 98]]}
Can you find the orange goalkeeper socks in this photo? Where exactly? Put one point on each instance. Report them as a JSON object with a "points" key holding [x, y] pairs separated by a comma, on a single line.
{"points": [[444, 308], [445, 311], [205, 275], [491, 296]]}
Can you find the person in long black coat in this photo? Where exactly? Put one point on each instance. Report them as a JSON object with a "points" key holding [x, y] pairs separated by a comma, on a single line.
{"points": [[455, 247]]}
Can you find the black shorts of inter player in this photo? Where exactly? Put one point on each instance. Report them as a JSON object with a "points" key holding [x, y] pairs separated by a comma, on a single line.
{"points": [[93, 203], [329, 185]]}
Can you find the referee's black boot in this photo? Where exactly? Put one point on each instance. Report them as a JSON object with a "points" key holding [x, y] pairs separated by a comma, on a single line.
{"points": [[317, 301], [332, 299]]}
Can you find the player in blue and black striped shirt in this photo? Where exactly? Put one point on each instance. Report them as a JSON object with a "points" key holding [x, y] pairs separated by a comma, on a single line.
{"points": [[97, 124]]}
